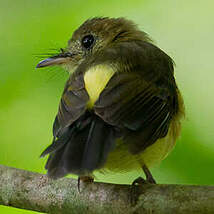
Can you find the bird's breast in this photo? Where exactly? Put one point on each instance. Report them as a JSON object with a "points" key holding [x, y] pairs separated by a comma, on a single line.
{"points": [[95, 79]]}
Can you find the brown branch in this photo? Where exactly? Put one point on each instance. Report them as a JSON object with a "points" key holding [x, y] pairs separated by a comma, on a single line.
{"points": [[33, 191]]}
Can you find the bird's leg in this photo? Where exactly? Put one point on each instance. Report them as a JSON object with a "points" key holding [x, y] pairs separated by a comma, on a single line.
{"points": [[85, 179], [149, 177]]}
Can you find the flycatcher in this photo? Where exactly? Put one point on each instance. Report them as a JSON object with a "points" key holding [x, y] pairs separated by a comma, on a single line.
{"points": [[120, 109]]}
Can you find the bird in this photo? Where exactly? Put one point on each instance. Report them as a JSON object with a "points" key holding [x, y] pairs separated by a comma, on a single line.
{"points": [[121, 108]]}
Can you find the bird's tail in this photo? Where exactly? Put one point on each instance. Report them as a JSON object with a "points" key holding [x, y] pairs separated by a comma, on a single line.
{"points": [[82, 148]]}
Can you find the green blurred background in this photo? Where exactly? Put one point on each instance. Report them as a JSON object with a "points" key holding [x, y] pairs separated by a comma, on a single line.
{"points": [[29, 98]]}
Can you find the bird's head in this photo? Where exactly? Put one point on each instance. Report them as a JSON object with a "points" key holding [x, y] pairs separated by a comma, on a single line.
{"points": [[91, 38]]}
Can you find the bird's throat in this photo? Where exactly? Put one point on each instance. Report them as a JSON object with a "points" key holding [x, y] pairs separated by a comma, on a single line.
{"points": [[96, 78]]}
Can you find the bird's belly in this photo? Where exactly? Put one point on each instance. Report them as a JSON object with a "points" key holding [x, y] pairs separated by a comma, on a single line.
{"points": [[95, 79]]}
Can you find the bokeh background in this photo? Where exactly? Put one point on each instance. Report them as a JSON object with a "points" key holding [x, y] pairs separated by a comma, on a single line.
{"points": [[30, 30]]}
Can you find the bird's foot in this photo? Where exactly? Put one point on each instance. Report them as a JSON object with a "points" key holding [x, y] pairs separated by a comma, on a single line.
{"points": [[85, 179], [135, 190], [141, 181]]}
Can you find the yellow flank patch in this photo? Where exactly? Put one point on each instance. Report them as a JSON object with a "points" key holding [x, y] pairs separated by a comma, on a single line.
{"points": [[96, 78], [121, 160]]}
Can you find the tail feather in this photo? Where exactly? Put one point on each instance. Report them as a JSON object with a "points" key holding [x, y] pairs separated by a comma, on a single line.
{"points": [[99, 143], [80, 150], [58, 143]]}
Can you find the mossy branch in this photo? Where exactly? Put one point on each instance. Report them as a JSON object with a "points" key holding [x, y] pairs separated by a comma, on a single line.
{"points": [[33, 191]]}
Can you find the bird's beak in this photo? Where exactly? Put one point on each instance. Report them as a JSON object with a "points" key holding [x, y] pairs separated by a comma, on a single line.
{"points": [[59, 59]]}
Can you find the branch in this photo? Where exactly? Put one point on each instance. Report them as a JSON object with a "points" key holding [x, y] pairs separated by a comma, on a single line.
{"points": [[33, 191]]}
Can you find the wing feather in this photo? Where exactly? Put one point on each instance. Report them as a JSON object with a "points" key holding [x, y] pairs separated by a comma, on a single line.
{"points": [[140, 109]]}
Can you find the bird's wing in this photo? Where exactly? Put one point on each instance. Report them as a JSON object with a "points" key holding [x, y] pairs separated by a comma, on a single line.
{"points": [[72, 104], [139, 108], [72, 107]]}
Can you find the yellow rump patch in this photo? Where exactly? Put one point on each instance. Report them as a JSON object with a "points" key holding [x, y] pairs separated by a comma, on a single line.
{"points": [[96, 78]]}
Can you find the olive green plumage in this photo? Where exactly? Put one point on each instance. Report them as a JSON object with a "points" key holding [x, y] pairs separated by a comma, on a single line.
{"points": [[120, 100]]}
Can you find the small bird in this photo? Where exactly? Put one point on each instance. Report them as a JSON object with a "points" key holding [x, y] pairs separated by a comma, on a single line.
{"points": [[120, 110]]}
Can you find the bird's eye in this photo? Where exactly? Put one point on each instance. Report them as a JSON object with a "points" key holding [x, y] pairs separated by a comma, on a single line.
{"points": [[88, 41]]}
